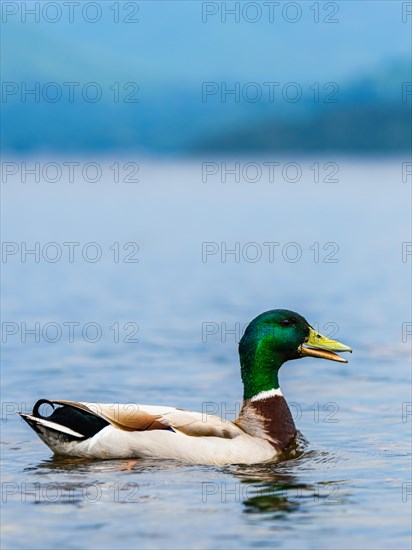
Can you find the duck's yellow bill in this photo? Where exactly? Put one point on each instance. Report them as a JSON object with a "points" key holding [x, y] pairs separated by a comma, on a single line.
{"points": [[317, 345]]}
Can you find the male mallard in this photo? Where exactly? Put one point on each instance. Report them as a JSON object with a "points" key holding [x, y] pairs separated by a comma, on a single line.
{"points": [[262, 430]]}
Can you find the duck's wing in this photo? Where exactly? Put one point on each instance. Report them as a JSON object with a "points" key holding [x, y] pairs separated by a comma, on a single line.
{"points": [[134, 417], [198, 424]]}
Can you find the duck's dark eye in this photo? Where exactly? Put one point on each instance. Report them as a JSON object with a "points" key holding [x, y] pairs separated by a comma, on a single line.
{"points": [[285, 323]]}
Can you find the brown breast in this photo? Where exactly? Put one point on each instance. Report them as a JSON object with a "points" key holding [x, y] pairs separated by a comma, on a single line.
{"points": [[268, 418]]}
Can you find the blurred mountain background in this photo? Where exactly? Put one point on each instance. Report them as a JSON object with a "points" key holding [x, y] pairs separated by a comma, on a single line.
{"points": [[353, 93]]}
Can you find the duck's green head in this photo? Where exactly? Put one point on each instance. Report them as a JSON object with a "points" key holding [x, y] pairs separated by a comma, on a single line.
{"points": [[275, 337]]}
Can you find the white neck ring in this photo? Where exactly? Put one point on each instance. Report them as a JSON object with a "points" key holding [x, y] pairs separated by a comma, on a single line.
{"points": [[266, 394]]}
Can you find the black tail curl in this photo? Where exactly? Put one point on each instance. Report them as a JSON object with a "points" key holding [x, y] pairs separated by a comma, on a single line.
{"points": [[78, 420]]}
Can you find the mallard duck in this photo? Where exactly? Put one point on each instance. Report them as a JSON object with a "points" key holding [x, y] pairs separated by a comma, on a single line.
{"points": [[263, 429]]}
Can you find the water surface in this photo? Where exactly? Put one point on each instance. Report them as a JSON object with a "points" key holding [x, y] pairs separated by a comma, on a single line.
{"points": [[349, 488]]}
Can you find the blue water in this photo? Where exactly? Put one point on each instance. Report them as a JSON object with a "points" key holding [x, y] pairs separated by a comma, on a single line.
{"points": [[164, 330]]}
